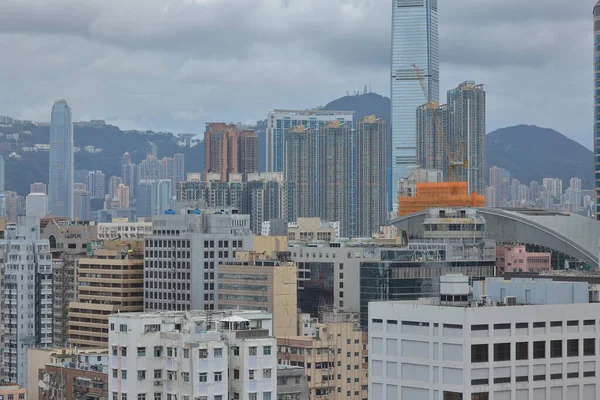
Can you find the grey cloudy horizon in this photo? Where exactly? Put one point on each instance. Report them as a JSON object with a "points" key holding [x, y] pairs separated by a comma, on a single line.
{"points": [[172, 65]]}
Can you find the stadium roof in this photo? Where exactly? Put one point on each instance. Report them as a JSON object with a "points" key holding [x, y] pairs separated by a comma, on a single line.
{"points": [[572, 234]]}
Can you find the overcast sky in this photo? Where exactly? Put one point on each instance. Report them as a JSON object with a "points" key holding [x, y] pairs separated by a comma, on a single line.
{"points": [[175, 64]]}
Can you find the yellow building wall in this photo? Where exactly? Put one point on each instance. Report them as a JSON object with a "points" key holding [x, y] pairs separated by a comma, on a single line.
{"points": [[269, 244], [285, 298]]}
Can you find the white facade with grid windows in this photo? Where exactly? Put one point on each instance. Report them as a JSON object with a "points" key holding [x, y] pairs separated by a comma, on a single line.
{"points": [[425, 351], [192, 356], [183, 254]]}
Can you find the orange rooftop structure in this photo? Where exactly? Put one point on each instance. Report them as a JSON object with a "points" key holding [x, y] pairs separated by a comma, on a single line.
{"points": [[439, 194]]}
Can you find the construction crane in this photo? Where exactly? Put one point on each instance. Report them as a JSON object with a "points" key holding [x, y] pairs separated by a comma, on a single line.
{"points": [[455, 158]]}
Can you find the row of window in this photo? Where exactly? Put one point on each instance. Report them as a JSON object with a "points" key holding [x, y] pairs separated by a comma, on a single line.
{"points": [[502, 351], [162, 243], [172, 351], [525, 325], [167, 285], [525, 378], [159, 396], [167, 275], [499, 326]]}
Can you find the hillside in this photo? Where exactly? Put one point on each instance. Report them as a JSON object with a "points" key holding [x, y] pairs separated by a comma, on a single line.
{"points": [[363, 105], [532, 153], [33, 166]]}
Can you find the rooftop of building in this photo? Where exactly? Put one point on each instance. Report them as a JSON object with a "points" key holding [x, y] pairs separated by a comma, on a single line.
{"points": [[345, 243], [199, 315], [80, 366], [500, 292]]}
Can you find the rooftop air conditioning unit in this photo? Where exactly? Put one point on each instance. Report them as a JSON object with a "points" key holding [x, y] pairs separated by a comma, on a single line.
{"points": [[485, 301], [510, 300]]}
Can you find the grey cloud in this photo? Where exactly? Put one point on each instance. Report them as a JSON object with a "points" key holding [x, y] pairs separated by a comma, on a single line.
{"points": [[175, 64]]}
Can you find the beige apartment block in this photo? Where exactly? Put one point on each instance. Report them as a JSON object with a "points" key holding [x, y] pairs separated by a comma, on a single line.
{"points": [[109, 282], [261, 284], [335, 359]]}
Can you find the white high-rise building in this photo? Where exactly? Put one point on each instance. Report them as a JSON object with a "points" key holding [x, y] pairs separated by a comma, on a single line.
{"points": [[183, 254], [508, 340], [61, 160], [192, 355], [36, 205], [27, 296]]}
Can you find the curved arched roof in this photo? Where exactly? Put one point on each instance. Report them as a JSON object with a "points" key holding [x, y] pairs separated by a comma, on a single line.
{"points": [[571, 234]]}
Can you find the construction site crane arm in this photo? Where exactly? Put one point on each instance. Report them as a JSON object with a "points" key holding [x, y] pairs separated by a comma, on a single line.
{"points": [[454, 159]]}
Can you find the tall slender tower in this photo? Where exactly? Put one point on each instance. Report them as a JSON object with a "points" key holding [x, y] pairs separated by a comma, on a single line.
{"points": [[414, 41], [466, 129], [61, 160], [597, 105], [335, 189], [300, 170], [370, 181], [2, 188], [431, 151]]}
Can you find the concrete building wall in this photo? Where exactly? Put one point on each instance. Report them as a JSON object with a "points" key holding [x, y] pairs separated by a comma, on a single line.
{"points": [[530, 291], [264, 285], [269, 244], [423, 351]]}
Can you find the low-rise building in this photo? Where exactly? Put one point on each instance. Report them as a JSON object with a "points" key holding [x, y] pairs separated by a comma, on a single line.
{"points": [[13, 392], [291, 383], [190, 355], [519, 339], [72, 358], [74, 375], [516, 258], [333, 359]]}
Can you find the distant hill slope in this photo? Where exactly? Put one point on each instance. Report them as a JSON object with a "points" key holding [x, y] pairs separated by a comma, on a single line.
{"points": [[363, 105], [33, 166], [533, 153]]}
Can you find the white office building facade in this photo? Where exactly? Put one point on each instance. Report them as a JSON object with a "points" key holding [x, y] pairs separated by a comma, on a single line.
{"points": [[182, 257], [421, 351], [192, 356]]}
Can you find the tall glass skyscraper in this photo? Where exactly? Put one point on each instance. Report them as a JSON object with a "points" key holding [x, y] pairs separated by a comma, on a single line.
{"points": [[597, 105], [60, 202], [414, 41]]}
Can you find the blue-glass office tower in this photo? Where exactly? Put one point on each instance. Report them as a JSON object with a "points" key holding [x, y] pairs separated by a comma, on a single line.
{"points": [[597, 105], [60, 200], [414, 41]]}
